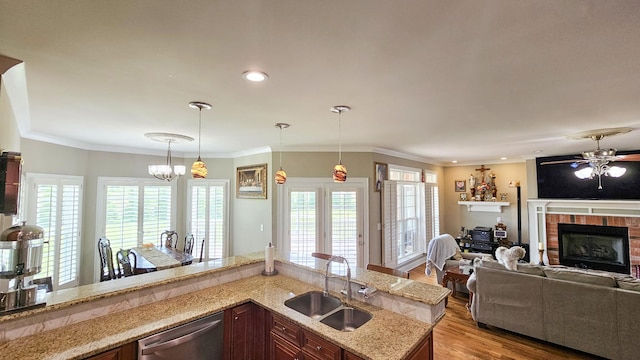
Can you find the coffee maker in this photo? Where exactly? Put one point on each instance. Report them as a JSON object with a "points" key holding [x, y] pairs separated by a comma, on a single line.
{"points": [[20, 256]]}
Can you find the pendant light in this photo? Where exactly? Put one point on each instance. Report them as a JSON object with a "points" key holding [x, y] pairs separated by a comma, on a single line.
{"points": [[281, 175], [340, 171], [199, 168]]}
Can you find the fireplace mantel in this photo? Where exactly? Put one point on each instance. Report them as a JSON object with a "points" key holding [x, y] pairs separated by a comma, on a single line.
{"points": [[538, 209]]}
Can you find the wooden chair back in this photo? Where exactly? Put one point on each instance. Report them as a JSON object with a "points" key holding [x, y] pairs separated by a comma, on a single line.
{"points": [[201, 250], [107, 271], [321, 255], [126, 263], [188, 244], [387, 270], [169, 238]]}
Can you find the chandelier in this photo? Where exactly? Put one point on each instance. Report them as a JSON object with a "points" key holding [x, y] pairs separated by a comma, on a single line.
{"points": [[166, 171], [281, 175], [340, 171], [199, 168]]}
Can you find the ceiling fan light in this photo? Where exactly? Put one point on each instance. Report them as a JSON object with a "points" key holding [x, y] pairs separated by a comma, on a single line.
{"points": [[584, 173], [616, 171]]}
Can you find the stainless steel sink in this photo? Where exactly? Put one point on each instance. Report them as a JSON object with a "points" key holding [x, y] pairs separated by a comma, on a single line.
{"points": [[313, 304], [347, 319]]}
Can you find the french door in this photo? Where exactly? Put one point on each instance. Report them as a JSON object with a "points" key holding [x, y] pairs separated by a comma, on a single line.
{"points": [[318, 215]]}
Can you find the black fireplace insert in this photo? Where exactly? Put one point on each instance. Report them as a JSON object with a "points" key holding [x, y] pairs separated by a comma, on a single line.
{"points": [[594, 247]]}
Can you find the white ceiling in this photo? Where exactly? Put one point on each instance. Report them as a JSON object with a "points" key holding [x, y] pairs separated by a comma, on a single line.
{"points": [[471, 81]]}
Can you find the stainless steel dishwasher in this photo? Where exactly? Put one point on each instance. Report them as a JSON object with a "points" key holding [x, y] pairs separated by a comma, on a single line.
{"points": [[199, 339]]}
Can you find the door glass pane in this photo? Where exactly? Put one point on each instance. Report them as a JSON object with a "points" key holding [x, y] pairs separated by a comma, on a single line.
{"points": [[216, 222], [303, 228], [344, 225]]}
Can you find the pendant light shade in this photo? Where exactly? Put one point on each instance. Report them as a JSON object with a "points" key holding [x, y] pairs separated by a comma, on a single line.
{"points": [[199, 168], [340, 171], [281, 175]]}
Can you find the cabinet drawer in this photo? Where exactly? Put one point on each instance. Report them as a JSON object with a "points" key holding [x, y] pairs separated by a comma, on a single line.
{"points": [[286, 330], [319, 348]]}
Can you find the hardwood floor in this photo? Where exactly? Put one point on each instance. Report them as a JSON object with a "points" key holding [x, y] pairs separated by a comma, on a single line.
{"points": [[457, 336]]}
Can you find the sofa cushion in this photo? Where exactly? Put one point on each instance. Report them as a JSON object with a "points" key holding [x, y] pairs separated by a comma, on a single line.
{"points": [[530, 269], [490, 263], [629, 284], [581, 276]]}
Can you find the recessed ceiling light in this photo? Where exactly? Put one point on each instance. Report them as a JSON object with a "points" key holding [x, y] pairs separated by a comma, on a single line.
{"points": [[454, 161], [503, 158], [538, 151], [255, 76]]}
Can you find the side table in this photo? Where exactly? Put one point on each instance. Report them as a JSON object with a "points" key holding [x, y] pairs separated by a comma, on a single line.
{"points": [[457, 277]]}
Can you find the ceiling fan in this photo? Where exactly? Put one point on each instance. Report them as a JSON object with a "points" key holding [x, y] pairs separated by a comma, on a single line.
{"points": [[598, 159]]}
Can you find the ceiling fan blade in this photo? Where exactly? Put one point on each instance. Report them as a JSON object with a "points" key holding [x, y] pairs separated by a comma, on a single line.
{"points": [[577, 161], [628, 157]]}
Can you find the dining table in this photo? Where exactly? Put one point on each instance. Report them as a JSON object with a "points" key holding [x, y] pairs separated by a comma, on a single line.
{"points": [[153, 258]]}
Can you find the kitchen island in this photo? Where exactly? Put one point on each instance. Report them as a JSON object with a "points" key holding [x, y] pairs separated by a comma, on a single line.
{"points": [[89, 320]]}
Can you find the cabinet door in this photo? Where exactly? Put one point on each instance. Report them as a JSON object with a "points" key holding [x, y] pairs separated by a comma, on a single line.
{"points": [[281, 349], [424, 350], [349, 356], [239, 332], [125, 352], [318, 348]]}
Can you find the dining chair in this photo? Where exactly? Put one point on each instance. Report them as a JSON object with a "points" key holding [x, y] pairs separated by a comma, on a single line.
{"points": [[107, 271], [43, 283], [201, 250], [387, 270], [321, 255], [188, 244], [126, 263], [169, 238]]}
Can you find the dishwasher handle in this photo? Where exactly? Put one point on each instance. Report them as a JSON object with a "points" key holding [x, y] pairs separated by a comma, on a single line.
{"points": [[179, 340]]}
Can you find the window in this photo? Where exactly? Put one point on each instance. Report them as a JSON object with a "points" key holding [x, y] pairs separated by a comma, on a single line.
{"points": [[53, 203], [410, 211], [134, 211], [207, 218]]}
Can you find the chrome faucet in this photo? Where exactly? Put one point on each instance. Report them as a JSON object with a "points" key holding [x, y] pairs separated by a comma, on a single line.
{"points": [[341, 260]]}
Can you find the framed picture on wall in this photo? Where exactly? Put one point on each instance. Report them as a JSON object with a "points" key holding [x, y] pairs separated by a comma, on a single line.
{"points": [[381, 173], [251, 182], [461, 185]]}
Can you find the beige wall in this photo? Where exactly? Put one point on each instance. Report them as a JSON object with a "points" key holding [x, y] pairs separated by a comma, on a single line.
{"points": [[457, 215]]}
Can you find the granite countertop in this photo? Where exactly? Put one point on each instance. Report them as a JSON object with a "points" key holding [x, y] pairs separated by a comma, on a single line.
{"points": [[386, 336]]}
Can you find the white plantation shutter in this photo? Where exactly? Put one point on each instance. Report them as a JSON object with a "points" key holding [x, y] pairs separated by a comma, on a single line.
{"points": [[134, 211], [432, 206], [344, 225], [208, 217], [390, 221], [303, 230], [55, 205]]}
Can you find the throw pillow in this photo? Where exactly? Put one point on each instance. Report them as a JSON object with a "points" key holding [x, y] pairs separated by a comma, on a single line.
{"points": [[581, 276], [628, 284], [457, 255], [530, 269]]}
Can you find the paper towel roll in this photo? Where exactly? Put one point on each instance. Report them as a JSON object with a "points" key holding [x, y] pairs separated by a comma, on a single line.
{"points": [[268, 258]]}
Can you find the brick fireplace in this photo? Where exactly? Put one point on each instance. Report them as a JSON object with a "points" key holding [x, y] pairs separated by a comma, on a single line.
{"points": [[546, 214]]}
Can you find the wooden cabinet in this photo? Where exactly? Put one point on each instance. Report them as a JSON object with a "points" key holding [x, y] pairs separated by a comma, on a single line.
{"points": [[289, 341], [125, 352], [424, 351], [245, 332], [349, 356]]}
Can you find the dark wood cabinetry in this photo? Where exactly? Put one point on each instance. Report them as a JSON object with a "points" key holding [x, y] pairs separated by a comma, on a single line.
{"points": [[245, 332], [252, 332], [125, 352]]}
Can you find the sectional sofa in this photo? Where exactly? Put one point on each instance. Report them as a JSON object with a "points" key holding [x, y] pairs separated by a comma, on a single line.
{"points": [[591, 311]]}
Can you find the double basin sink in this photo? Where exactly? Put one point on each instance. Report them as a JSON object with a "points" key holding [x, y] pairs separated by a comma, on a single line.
{"points": [[329, 310]]}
